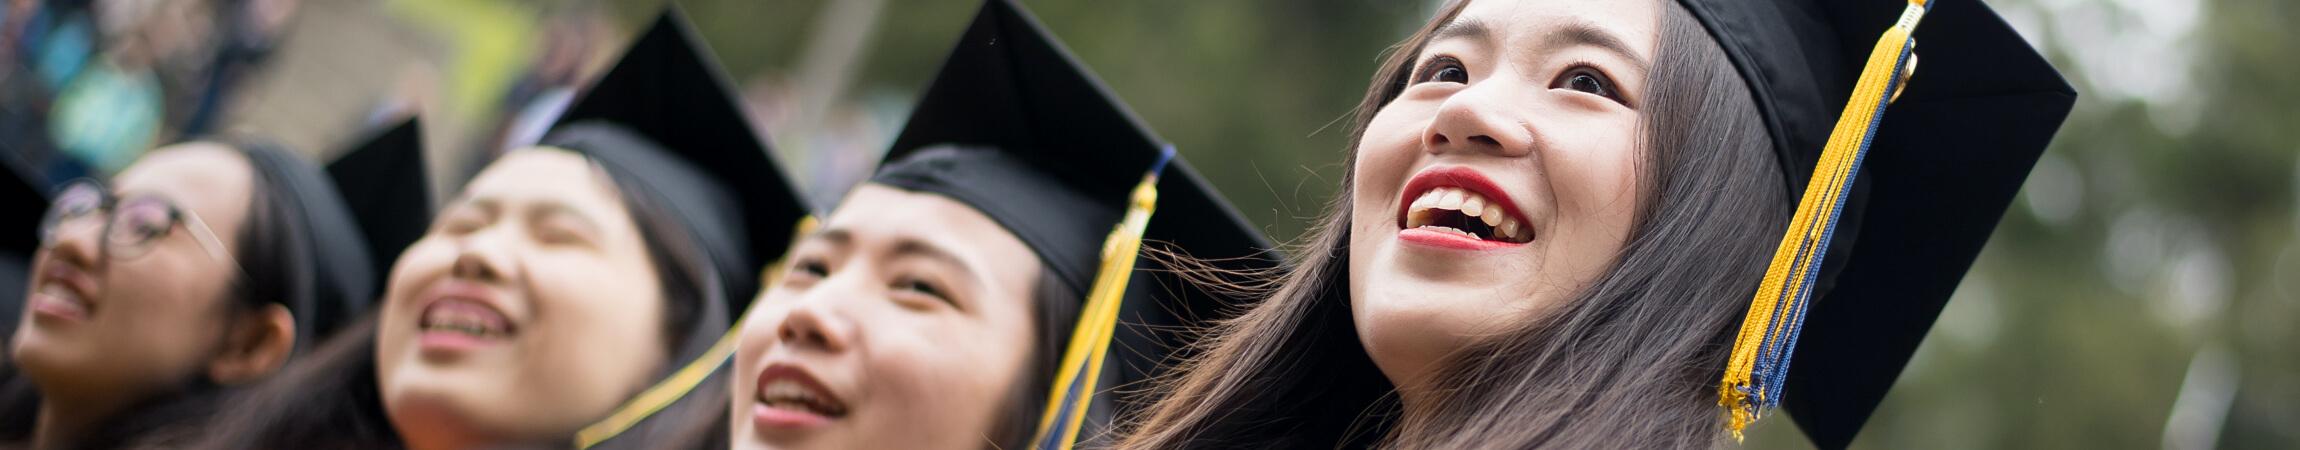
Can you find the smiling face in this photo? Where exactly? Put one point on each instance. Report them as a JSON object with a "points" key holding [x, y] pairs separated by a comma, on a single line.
{"points": [[102, 329], [529, 310], [905, 323], [1501, 181]]}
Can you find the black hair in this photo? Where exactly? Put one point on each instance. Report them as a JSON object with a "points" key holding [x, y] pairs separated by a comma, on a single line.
{"points": [[330, 398]]}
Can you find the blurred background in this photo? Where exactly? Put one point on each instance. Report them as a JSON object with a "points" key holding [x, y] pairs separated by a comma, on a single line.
{"points": [[2142, 292]]}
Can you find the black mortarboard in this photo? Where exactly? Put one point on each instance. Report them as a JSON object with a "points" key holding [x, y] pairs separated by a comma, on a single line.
{"points": [[1940, 167], [383, 180], [23, 201], [327, 264], [1016, 128], [666, 119]]}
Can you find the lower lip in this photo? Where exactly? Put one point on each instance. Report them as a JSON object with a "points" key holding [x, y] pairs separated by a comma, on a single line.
{"points": [[771, 418], [51, 308], [1451, 241], [450, 343]]}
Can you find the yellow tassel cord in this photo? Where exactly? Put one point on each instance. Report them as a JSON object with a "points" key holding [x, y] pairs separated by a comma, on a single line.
{"points": [[675, 387], [1775, 313], [1074, 385]]}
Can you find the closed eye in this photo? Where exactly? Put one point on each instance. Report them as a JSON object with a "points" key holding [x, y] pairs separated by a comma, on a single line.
{"points": [[914, 286]]}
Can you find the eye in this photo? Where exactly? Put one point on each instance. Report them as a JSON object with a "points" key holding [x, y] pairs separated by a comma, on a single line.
{"points": [[1442, 69], [1588, 80], [914, 286], [561, 229], [810, 268]]}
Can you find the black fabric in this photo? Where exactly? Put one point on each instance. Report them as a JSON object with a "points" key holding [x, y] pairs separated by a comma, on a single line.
{"points": [[384, 181], [1016, 128], [324, 243], [668, 94], [1946, 161], [23, 201]]}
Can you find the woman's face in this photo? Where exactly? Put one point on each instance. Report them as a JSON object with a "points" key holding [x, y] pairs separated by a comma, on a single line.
{"points": [[107, 324], [530, 310], [904, 323], [1501, 181]]}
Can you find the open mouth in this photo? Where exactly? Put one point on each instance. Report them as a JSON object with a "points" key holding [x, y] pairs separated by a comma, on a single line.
{"points": [[62, 292], [1460, 202], [463, 317], [789, 397]]}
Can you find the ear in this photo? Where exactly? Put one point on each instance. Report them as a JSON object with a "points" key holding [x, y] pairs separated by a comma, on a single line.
{"points": [[257, 344]]}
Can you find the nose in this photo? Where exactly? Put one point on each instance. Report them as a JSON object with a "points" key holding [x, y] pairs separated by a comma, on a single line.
{"points": [[1480, 119], [77, 242], [812, 324], [479, 259]]}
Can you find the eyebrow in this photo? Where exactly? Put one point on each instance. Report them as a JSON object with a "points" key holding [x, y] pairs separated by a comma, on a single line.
{"points": [[1573, 33], [904, 247], [550, 208]]}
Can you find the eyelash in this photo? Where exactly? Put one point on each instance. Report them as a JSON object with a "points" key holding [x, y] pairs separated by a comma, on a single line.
{"points": [[1431, 69], [1438, 65], [924, 287]]}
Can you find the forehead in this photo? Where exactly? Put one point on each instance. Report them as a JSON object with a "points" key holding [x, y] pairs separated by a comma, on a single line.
{"points": [[1526, 22], [878, 215], [544, 174], [213, 180]]}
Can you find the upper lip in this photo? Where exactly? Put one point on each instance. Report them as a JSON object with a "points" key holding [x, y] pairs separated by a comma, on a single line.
{"points": [[827, 402], [467, 291], [63, 273], [1457, 177]]}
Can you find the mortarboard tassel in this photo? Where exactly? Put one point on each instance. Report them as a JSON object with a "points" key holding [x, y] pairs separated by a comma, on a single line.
{"points": [[675, 387], [1074, 385], [1769, 333]]}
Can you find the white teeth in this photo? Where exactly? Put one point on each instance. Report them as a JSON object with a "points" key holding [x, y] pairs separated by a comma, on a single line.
{"points": [[455, 320], [1421, 214], [786, 390], [59, 292]]}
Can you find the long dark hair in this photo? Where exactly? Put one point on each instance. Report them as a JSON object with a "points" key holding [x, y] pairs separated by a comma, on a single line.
{"points": [[267, 251], [330, 398], [1631, 362]]}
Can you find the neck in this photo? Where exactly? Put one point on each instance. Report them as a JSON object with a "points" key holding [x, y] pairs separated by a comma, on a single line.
{"points": [[61, 424]]}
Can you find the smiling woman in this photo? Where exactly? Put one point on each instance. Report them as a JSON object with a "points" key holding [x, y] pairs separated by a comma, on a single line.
{"points": [[1558, 212], [201, 269], [982, 290], [555, 301]]}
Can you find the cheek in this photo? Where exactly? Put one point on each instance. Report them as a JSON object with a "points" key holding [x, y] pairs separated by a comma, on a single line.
{"points": [[1385, 153], [594, 316], [1598, 197], [949, 375], [424, 261]]}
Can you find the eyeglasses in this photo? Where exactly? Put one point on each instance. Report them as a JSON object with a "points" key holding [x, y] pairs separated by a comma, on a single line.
{"points": [[132, 223]]}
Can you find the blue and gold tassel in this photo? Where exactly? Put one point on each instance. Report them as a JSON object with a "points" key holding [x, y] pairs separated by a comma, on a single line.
{"points": [[1074, 385], [1768, 334]]}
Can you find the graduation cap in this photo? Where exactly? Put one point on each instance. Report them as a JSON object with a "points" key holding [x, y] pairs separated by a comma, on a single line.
{"points": [[1016, 128], [333, 278], [383, 180], [666, 119], [24, 200], [1904, 172]]}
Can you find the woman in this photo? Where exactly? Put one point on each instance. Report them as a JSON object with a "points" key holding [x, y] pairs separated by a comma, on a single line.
{"points": [[1557, 213], [934, 307], [563, 280], [205, 266]]}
